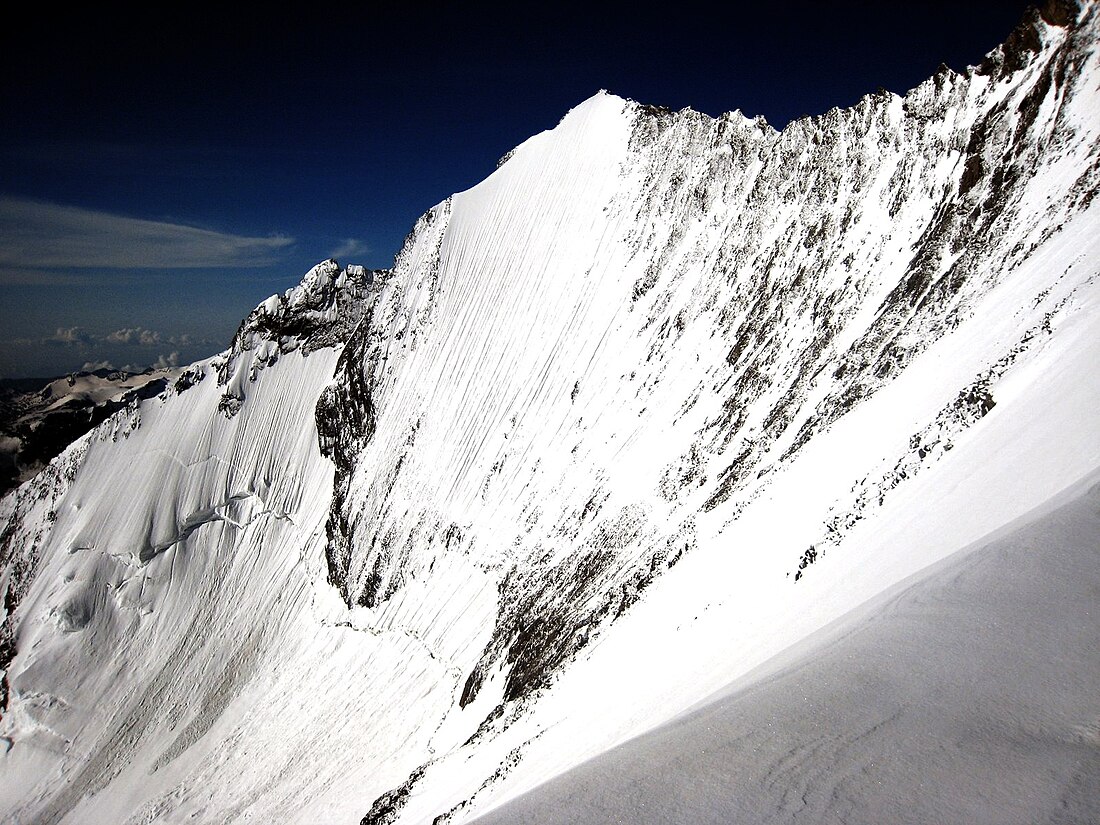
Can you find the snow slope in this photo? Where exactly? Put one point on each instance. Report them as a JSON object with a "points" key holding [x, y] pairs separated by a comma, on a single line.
{"points": [[658, 399], [966, 694]]}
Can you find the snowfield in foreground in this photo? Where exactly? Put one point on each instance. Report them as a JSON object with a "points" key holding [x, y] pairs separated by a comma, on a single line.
{"points": [[657, 401], [966, 694]]}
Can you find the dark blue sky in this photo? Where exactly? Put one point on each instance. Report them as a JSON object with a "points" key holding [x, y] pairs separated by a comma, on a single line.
{"points": [[160, 174]]}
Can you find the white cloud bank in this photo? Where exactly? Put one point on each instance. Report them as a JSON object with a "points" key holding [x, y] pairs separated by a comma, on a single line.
{"points": [[134, 335], [35, 234], [92, 366]]}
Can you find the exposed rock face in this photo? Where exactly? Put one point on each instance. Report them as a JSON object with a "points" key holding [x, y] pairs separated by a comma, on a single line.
{"points": [[1060, 12], [618, 423]]}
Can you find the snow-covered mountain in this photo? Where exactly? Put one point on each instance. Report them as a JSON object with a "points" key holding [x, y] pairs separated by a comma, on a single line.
{"points": [[658, 399], [38, 422]]}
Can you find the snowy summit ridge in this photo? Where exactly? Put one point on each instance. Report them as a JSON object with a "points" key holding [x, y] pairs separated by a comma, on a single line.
{"points": [[660, 398], [319, 312]]}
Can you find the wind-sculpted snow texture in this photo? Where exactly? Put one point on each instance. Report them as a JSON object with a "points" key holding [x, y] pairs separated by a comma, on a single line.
{"points": [[658, 398]]}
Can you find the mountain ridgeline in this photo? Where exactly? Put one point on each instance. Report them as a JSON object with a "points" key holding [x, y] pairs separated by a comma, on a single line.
{"points": [[660, 397]]}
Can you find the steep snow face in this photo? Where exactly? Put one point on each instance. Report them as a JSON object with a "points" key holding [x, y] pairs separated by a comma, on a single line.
{"points": [[158, 579], [669, 310], [658, 398]]}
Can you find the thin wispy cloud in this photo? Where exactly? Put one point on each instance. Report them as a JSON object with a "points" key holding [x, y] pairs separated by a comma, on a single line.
{"points": [[36, 235], [40, 277], [349, 248]]}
